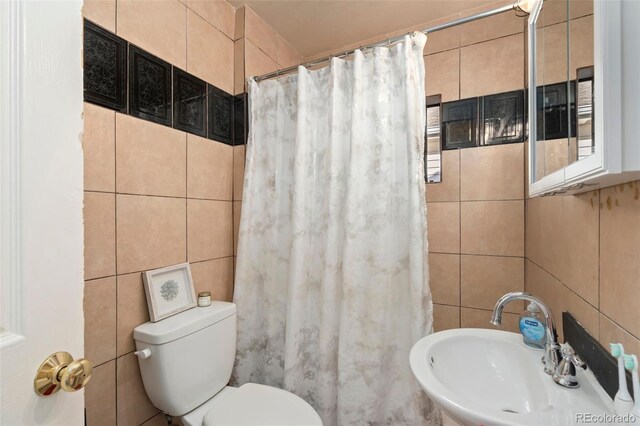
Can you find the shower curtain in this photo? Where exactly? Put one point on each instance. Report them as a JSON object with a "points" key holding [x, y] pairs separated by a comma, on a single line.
{"points": [[332, 279]]}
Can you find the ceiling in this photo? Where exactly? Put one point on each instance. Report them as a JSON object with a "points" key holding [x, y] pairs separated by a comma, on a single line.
{"points": [[319, 26]]}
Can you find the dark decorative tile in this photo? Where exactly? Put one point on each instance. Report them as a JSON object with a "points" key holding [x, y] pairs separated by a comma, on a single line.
{"points": [[149, 87], [105, 65], [189, 103], [460, 124], [503, 118], [603, 365], [554, 108], [240, 119], [220, 115]]}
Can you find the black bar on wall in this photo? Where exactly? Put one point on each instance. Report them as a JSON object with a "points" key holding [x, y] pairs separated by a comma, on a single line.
{"points": [[603, 365], [157, 91], [240, 115]]}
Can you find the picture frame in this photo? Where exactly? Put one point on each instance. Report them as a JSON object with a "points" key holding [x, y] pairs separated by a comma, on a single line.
{"points": [[169, 291]]}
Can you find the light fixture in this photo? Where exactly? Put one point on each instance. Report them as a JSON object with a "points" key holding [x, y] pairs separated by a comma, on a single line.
{"points": [[523, 7]]}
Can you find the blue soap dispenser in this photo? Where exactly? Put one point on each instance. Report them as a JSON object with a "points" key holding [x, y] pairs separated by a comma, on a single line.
{"points": [[532, 327]]}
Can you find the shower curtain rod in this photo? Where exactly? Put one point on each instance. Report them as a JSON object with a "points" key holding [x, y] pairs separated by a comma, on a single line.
{"points": [[389, 41]]}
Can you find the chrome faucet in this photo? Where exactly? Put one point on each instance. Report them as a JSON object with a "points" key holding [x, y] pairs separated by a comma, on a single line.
{"points": [[563, 372], [552, 347]]}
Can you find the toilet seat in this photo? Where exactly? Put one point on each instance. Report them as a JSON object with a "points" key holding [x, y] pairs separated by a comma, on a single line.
{"points": [[259, 405]]}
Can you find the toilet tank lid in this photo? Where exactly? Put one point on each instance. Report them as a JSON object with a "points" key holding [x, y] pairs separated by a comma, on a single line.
{"points": [[183, 324]]}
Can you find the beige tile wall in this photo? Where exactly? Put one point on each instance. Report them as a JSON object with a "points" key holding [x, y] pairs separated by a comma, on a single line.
{"points": [[259, 49], [476, 59], [154, 196], [475, 216], [476, 235], [582, 256]]}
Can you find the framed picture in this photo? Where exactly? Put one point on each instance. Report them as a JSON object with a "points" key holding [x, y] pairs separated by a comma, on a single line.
{"points": [[169, 291]]}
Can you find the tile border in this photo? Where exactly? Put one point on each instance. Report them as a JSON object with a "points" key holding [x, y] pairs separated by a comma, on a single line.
{"points": [[237, 134], [119, 102], [137, 54], [598, 359], [181, 77]]}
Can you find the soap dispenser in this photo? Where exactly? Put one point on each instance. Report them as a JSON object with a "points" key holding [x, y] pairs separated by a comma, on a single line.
{"points": [[532, 327]]}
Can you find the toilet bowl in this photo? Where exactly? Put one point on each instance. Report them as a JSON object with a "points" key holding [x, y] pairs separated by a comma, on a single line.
{"points": [[251, 405], [186, 362]]}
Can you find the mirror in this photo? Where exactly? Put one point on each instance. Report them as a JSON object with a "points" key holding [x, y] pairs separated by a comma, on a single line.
{"points": [[433, 146], [564, 77]]}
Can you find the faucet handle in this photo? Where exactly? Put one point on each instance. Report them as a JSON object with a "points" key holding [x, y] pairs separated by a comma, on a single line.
{"points": [[570, 355], [565, 374]]}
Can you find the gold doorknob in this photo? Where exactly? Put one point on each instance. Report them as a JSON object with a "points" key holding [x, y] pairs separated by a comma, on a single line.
{"points": [[60, 371]]}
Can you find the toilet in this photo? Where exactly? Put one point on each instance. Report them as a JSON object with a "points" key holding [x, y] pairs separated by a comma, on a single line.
{"points": [[186, 362]]}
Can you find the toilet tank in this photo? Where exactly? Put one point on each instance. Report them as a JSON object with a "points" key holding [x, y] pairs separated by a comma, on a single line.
{"points": [[192, 355]]}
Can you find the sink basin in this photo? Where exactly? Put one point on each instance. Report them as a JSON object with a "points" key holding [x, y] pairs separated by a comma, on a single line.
{"points": [[490, 377]]}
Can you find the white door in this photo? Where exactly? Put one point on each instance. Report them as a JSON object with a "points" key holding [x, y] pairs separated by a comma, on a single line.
{"points": [[41, 235]]}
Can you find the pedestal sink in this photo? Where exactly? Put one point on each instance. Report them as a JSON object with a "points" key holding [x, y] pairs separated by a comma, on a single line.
{"points": [[490, 377]]}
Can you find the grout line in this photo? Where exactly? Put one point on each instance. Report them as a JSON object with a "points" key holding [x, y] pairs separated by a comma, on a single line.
{"points": [[564, 285], [459, 97], [186, 230], [186, 55], [476, 254], [151, 418], [526, 203], [233, 193], [100, 278], [208, 22], [105, 362], [566, 21], [460, 46], [459, 232], [260, 49], [487, 310], [616, 323], [196, 261], [599, 243], [473, 307], [477, 201], [115, 214], [447, 304], [131, 194], [186, 178], [492, 39], [211, 260], [245, 110]]}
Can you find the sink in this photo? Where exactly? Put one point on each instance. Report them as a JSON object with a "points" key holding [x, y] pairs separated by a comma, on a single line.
{"points": [[490, 377]]}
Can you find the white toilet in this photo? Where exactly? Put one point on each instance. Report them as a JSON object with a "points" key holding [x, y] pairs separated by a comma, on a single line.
{"points": [[186, 362]]}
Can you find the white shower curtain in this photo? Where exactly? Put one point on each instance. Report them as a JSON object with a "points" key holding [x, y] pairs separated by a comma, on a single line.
{"points": [[332, 279]]}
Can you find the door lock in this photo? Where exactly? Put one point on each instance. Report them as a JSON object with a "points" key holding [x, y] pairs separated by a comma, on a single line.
{"points": [[60, 371]]}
